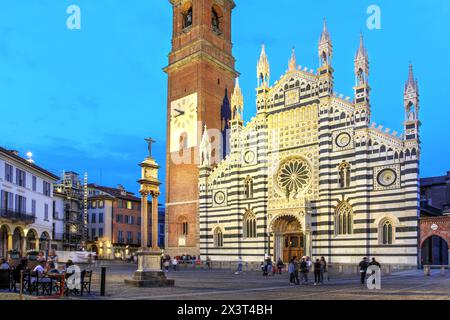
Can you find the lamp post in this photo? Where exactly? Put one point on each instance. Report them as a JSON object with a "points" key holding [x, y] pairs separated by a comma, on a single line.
{"points": [[149, 273]]}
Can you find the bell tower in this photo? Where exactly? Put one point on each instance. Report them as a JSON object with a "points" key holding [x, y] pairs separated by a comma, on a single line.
{"points": [[201, 74]]}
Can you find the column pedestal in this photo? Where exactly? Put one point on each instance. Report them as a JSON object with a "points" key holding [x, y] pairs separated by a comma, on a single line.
{"points": [[149, 272]]}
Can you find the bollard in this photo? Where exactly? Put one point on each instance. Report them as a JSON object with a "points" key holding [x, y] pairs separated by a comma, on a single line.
{"points": [[103, 282], [21, 285]]}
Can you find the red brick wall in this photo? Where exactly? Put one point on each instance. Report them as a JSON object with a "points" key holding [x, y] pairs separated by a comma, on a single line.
{"points": [[124, 227], [442, 231]]}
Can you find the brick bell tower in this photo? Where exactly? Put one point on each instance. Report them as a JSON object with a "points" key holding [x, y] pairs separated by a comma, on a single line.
{"points": [[200, 76]]}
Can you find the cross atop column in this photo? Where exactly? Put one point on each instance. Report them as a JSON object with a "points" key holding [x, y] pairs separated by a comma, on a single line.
{"points": [[150, 141]]}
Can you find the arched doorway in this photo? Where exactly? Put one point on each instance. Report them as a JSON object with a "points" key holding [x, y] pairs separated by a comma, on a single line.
{"points": [[435, 251], [3, 241], [289, 240], [18, 239], [44, 241], [31, 240]]}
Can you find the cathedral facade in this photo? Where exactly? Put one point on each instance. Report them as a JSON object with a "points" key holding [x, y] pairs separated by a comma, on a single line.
{"points": [[310, 174]]}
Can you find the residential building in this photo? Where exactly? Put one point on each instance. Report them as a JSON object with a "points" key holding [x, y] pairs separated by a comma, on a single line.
{"points": [[114, 221], [26, 202]]}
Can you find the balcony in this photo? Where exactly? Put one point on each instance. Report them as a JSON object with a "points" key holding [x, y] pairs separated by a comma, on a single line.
{"points": [[16, 216]]}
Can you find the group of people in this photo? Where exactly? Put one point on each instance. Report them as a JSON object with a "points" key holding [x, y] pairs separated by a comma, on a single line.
{"points": [[364, 265], [304, 266]]}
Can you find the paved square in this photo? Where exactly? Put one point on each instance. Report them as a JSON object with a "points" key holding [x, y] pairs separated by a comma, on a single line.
{"points": [[224, 284]]}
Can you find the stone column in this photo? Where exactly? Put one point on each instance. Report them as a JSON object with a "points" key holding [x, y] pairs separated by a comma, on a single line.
{"points": [[155, 221], [308, 243], [24, 245], [144, 220], [10, 242], [36, 244]]}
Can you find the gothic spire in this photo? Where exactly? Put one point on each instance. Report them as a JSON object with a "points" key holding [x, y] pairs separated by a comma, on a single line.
{"points": [[325, 37], [263, 68], [412, 82], [237, 102], [325, 47]]}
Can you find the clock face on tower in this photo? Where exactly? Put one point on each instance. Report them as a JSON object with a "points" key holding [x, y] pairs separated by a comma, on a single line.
{"points": [[183, 123]]}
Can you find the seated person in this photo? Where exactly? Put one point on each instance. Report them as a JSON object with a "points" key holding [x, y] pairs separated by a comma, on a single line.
{"points": [[22, 266], [4, 265], [51, 268], [39, 272]]}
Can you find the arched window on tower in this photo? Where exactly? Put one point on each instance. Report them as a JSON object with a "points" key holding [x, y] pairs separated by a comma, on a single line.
{"points": [[249, 224], [218, 238], [386, 231], [248, 185], [215, 20], [343, 219], [344, 175], [187, 15]]}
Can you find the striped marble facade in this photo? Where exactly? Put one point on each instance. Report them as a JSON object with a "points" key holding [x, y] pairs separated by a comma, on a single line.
{"points": [[311, 163]]}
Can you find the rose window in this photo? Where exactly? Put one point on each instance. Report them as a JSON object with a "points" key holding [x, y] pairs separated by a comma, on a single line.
{"points": [[293, 176]]}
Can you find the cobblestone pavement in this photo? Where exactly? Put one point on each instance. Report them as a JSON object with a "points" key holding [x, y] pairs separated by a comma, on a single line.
{"points": [[224, 284]]}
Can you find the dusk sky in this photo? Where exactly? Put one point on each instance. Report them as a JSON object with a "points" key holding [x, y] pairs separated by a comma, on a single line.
{"points": [[84, 100]]}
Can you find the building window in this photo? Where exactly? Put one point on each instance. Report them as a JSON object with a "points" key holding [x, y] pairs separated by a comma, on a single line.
{"points": [[34, 183], [185, 228], [120, 203], [101, 204], [249, 225], [344, 219], [100, 232], [7, 200], [46, 188], [344, 175], [93, 218], [93, 233], [33, 207], [386, 232], [139, 238], [119, 218], [218, 238], [20, 178], [248, 184], [46, 212], [129, 205], [120, 236], [129, 237], [8, 172], [21, 204], [139, 221], [100, 217], [94, 204]]}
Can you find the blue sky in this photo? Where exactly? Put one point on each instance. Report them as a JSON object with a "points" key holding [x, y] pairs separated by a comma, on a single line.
{"points": [[84, 99]]}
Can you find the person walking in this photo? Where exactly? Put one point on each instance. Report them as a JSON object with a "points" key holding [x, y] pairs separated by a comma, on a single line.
{"points": [[318, 273], [174, 263], [323, 269], [239, 266], [280, 265], [296, 269], [375, 263], [363, 265], [208, 263], [304, 270], [291, 270]]}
